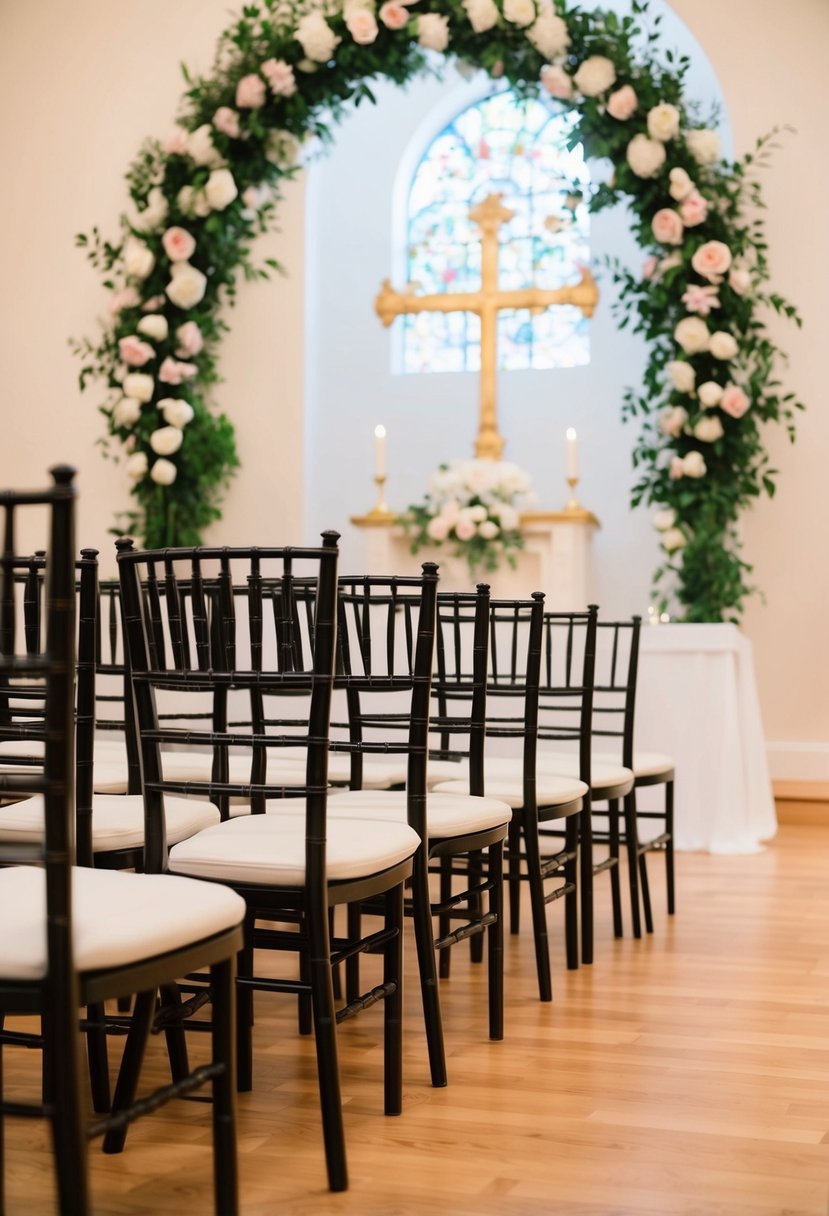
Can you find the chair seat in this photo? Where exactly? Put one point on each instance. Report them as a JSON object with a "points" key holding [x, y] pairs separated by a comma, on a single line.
{"points": [[117, 820], [604, 774], [646, 764], [269, 850], [550, 790], [117, 918], [110, 773], [446, 814]]}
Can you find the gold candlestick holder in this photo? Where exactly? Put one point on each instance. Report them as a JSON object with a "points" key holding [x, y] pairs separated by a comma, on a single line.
{"points": [[573, 505], [380, 510]]}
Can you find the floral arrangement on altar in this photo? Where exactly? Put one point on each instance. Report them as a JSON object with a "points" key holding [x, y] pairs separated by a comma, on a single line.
{"points": [[286, 70], [472, 507]]}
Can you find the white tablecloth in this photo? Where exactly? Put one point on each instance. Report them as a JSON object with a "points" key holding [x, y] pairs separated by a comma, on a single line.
{"points": [[697, 700]]}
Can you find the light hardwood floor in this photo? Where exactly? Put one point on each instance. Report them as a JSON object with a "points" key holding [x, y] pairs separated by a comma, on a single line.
{"points": [[688, 1073]]}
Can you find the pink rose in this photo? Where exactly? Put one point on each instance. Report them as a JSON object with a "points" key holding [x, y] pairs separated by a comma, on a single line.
{"points": [[280, 76], [465, 529], [153, 304], [557, 83], [677, 468], [649, 267], [739, 280], [701, 299], [667, 227], [250, 92], [694, 209], [178, 244], [497, 69], [361, 25], [734, 401], [135, 352], [127, 297], [172, 372], [227, 121], [394, 16], [711, 260], [189, 339], [622, 104], [176, 142]]}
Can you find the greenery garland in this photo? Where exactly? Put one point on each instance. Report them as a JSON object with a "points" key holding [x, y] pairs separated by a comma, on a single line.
{"points": [[284, 73]]}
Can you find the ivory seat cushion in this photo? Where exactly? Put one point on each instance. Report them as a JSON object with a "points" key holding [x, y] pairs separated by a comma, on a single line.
{"points": [[270, 850], [110, 775], [446, 814], [117, 820], [604, 773], [117, 918], [646, 764], [550, 790]]}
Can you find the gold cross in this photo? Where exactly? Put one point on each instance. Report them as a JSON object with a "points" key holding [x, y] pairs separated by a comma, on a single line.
{"points": [[487, 303]]}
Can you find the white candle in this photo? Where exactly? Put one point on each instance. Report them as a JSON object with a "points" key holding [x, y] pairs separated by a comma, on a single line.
{"points": [[380, 451], [572, 461]]}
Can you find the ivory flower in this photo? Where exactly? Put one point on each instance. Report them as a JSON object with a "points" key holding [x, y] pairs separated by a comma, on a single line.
{"points": [[127, 297], [138, 259], [557, 83], [623, 104], [482, 14], [126, 412], [139, 385], [519, 12], [154, 326], [280, 77], [549, 35], [187, 285], [176, 142], [693, 465], [488, 529], [709, 429], [672, 539], [437, 528], [166, 440], [739, 279], [220, 190], [664, 519], [200, 146], [663, 122], [693, 335], [704, 145], [723, 345], [595, 75], [672, 421], [164, 472], [136, 465], [315, 36], [709, 393], [433, 31], [176, 412], [683, 377], [155, 212], [681, 184], [281, 148], [645, 156]]}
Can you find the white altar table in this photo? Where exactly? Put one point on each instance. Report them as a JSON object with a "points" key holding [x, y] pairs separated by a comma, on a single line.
{"points": [[697, 700]]}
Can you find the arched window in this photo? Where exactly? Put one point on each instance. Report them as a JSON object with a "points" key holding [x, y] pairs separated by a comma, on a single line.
{"points": [[520, 149]]}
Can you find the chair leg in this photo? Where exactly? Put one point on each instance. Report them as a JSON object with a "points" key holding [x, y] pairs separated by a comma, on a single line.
{"points": [[514, 875], [244, 1013], [476, 942], [495, 941], [130, 1070], [669, 846], [352, 965], [336, 977], [644, 886], [427, 966], [68, 1132], [325, 1037], [571, 900], [98, 1058], [539, 912], [445, 920], [175, 1036], [586, 876], [632, 840], [615, 877], [305, 1012], [225, 1168], [393, 1005]]}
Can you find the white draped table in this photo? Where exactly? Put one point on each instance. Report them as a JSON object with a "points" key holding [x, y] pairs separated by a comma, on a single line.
{"points": [[697, 700]]}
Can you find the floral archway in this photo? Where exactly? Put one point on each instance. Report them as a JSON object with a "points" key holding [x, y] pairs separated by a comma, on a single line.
{"points": [[284, 73]]}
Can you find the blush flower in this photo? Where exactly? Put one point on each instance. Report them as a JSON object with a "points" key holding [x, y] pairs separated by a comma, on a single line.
{"points": [[227, 121], [667, 226], [734, 401], [172, 372], [700, 299], [394, 16], [179, 244], [693, 209], [623, 104], [280, 77], [250, 92], [134, 352], [711, 259]]}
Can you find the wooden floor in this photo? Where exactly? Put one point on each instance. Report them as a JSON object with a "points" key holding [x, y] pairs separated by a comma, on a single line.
{"points": [[688, 1073]]}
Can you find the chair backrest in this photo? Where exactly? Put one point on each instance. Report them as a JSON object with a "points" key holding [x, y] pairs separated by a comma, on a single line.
{"points": [[614, 703], [197, 646], [385, 651], [29, 673], [459, 684], [515, 641], [113, 695], [567, 682]]}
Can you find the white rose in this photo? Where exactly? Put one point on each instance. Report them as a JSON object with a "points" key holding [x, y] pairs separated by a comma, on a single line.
{"points": [[477, 513], [693, 465], [437, 528], [315, 36], [723, 345], [596, 75], [281, 149], [187, 285], [176, 412], [683, 377], [672, 421], [433, 31], [166, 440], [200, 146], [664, 519], [508, 516], [136, 465], [482, 14], [138, 259], [220, 190], [155, 213], [488, 529], [139, 385], [673, 539], [126, 412], [681, 184], [693, 335], [184, 200], [164, 472], [709, 393], [663, 122], [645, 156], [154, 326], [549, 35], [708, 429], [704, 145], [519, 12]]}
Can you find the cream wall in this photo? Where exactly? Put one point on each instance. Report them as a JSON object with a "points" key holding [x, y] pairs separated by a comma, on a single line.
{"points": [[82, 83]]}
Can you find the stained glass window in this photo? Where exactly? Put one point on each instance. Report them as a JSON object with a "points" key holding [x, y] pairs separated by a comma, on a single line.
{"points": [[517, 148]]}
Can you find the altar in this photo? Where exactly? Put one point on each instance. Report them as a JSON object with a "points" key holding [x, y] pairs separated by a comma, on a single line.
{"points": [[556, 558]]}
